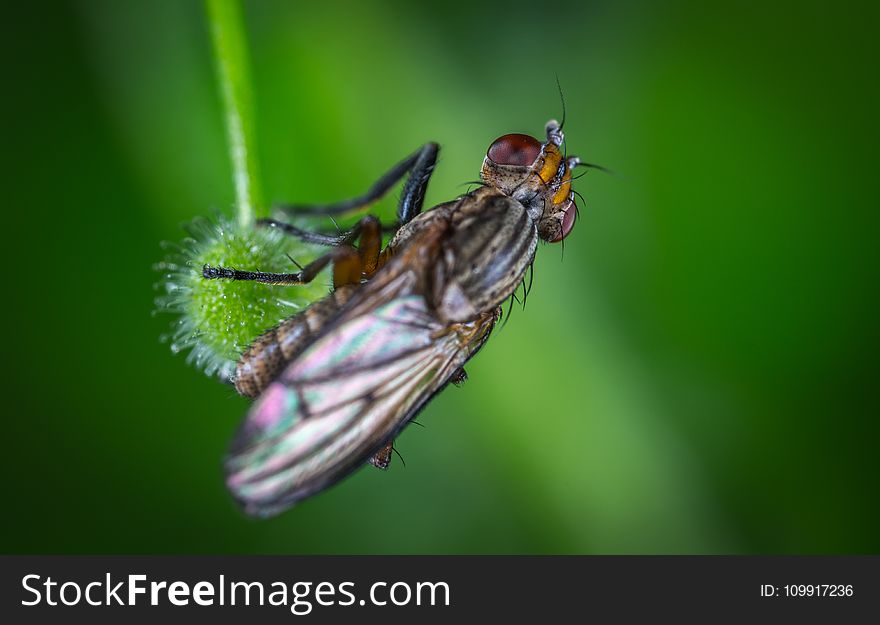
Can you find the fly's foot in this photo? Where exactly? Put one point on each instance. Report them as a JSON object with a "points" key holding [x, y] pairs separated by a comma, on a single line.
{"points": [[459, 377], [382, 458]]}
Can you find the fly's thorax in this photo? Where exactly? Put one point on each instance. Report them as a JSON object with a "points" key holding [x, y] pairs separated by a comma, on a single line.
{"points": [[538, 176], [421, 223], [491, 242]]}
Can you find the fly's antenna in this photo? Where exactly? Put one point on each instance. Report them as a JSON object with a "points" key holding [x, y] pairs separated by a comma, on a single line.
{"points": [[562, 100]]}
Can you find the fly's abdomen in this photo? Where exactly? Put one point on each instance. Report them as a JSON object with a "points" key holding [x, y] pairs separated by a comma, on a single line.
{"points": [[264, 359]]}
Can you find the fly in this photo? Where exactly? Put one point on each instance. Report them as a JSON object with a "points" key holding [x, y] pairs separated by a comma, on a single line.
{"points": [[336, 383]]}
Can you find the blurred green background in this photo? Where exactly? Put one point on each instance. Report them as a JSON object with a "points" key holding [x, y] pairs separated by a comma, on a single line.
{"points": [[698, 375]]}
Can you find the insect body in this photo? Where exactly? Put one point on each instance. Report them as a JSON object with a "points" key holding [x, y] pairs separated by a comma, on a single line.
{"points": [[336, 383]]}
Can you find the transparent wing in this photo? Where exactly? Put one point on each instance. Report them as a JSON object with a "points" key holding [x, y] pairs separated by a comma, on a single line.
{"points": [[344, 397]]}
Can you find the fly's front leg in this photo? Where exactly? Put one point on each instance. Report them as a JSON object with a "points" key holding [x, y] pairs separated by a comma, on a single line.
{"points": [[419, 165]]}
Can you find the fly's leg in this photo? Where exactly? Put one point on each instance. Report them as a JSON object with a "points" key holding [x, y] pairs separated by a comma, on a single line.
{"points": [[303, 276], [459, 377], [353, 264], [382, 458], [370, 248], [419, 165], [348, 262], [330, 239], [413, 197], [368, 231]]}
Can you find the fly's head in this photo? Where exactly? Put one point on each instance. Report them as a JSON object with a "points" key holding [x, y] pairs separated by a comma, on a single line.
{"points": [[538, 176]]}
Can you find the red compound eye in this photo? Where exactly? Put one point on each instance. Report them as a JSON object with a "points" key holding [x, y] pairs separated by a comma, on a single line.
{"points": [[514, 149], [568, 220]]}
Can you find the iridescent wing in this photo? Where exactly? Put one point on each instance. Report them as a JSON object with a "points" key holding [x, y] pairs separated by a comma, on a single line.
{"points": [[347, 394]]}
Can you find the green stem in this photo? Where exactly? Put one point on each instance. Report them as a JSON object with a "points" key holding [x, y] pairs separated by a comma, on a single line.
{"points": [[231, 51]]}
